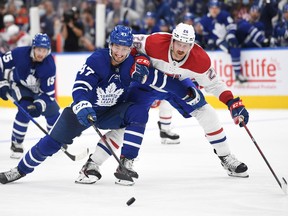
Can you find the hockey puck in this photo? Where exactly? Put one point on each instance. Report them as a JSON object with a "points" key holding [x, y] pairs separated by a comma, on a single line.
{"points": [[130, 201]]}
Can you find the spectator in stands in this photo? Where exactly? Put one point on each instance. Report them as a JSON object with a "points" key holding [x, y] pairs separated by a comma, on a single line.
{"points": [[2, 12], [268, 9], [254, 17], [248, 35], [48, 17], [8, 20], [177, 8], [189, 18], [88, 40], [150, 25], [198, 7], [22, 18], [72, 30], [136, 5], [281, 29], [163, 11], [120, 14], [17, 37], [164, 26]]}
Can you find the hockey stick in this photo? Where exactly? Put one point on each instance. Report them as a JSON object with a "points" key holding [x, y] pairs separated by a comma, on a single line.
{"points": [[64, 147], [125, 176], [283, 183]]}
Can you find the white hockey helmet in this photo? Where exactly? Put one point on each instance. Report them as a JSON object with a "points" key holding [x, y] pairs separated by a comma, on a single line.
{"points": [[184, 33], [8, 18], [12, 30]]}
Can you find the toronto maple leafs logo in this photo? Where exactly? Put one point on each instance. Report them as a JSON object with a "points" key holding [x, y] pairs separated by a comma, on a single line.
{"points": [[108, 97], [31, 83]]}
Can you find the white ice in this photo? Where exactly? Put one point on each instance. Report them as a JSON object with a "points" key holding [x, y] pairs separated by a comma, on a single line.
{"points": [[182, 180]]}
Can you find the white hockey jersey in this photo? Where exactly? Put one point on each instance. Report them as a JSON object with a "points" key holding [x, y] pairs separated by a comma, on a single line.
{"points": [[196, 65]]}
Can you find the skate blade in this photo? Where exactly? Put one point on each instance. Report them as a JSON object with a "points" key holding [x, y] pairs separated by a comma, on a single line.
{"points": [[170, 142], [124, 182], [16, 155], [82, 179], [239, 175]]}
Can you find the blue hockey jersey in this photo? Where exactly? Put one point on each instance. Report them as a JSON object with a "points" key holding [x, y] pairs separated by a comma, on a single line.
{"points": [[217, 29], [248, 35], [18, 67], [101, 83], [105, 85]]}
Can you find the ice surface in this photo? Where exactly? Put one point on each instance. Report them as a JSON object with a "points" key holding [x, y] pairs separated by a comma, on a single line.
{"points": [[185, 179]]}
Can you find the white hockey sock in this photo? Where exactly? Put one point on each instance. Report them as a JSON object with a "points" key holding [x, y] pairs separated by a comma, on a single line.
{"points": [[214, 132], [115, 140]]}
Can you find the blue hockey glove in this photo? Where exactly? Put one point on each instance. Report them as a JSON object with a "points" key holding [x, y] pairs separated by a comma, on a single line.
{"points": [[238, 111], [139, 70], [211, 44], [35, 109], [233, 42], [193, 96], [4, 89], [83, 110]]}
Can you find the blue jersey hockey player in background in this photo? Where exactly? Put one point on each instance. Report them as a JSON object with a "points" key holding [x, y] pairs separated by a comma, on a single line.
{"points": [[100, 92], [218, 29], [28, 74]]}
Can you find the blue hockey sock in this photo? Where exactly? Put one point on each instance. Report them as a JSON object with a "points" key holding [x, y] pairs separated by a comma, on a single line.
{"points": [[133, 137]]}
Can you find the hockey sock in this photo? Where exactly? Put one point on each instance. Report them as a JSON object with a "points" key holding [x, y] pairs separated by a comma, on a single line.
{"points": [[133, 137], [115, 139], [214, 132]]}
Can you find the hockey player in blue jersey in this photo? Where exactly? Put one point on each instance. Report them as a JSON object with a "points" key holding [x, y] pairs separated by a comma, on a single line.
{"points": [[28, 74], [100, 92], [280, 34], [218, 29]]}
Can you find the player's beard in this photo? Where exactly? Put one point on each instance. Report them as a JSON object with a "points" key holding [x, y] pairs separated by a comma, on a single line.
{"points": [[117, 59]]}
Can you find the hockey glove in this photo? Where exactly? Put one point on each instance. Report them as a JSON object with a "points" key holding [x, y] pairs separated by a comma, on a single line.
{"points": [[83, 110], [4, 89], [238, 111], [193, 96], [139, 70], [35, 109], [232, 42]]}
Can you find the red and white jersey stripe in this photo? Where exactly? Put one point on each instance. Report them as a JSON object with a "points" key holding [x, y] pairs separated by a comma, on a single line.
{"points": [[196, 65]]}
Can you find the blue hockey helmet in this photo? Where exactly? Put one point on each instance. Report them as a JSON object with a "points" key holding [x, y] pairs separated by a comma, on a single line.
{"points": [[254, 8], [188, 16], [41, 40], [214, 3], [150, 14], [121, 35]]}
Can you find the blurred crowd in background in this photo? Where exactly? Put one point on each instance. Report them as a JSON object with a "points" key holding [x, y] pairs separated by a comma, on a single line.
{"points": [[71, 24]]}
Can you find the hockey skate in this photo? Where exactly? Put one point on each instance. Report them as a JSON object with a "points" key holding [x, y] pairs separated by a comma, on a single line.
{"points": [[234, 167], [10, 176], [89, 174], [168, 137], [124, 176], [240, 78], [16, 150]]}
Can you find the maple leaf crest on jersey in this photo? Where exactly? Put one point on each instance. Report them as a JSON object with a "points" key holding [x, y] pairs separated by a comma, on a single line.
{"points": [[108, 97], [31, 83]]}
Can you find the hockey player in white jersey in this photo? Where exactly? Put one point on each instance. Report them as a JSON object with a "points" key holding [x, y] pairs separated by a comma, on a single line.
{"points": [[179, 56]]}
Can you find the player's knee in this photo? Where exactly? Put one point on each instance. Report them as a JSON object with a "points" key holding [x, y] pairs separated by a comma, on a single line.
{"points": [[137, 114], [48, 146]]}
